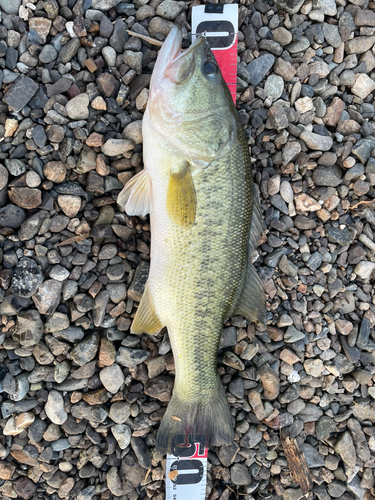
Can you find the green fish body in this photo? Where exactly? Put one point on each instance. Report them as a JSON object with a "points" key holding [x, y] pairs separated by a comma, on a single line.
{"points": [[198, 189]]}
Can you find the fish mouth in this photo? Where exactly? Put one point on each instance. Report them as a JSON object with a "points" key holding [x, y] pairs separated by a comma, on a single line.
{"points": [[172, 62]]}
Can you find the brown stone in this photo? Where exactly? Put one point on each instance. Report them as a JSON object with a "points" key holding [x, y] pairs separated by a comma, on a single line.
{"points": [[334, 112], [107, 352], [320, 68], [106, 84], [339, 53], [15, 425], [11, 126], [101, 167], [275, 333], [6, 470], [304, 104], [284, 69], [359, 44], [257, 405], [124, 177], [141, 100], [349, 162], [363, 86], [347, 127], [289, 357], [95, 289], [69, 204], [25, 488], [306, 203], [55, 171], [25, 197], [79, 27], [118, 310], [343, 326], [90, 65], [23, 458], [73, 91], [360, 187], [323, 214], [96, 397], [99, 103], [42, 26], [114, 147], [94, 140], [270, 382]]}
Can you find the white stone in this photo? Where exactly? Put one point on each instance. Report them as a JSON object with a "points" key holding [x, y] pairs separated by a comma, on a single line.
{"points": [[54, 408], [77, 108], [122, 433], [364, 269], [304, 104], [363, 86], [112, 378]]}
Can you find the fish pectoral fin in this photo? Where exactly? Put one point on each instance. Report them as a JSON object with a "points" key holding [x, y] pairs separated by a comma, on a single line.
{"points": [[181, 196], [136, 195], [251, 303], [146, 320]]}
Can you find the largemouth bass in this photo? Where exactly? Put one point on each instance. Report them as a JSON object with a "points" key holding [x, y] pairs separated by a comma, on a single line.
{"points": [[197, 187]]}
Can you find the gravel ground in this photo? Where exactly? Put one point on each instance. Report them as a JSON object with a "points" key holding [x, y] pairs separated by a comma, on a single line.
{"points": [[81, 398]]}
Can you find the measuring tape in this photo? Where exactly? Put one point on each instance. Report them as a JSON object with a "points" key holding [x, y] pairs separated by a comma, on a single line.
{"points": [[186, 468], [186, 471], [219, 24]]}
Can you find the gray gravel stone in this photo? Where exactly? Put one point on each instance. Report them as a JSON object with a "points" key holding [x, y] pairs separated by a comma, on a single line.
{"points": [[27, 278], [259, 67], [54, 408]]}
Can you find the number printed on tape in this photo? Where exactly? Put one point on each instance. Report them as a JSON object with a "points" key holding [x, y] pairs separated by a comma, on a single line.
{"points": [[186, 469]]}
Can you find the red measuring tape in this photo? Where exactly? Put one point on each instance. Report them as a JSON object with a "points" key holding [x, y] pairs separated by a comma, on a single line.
{"points": [[219, 24]]}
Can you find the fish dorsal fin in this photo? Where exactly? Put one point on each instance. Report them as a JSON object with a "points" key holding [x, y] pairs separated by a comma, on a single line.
{"points": [[146, 320], [251, 302], [181, 196], [136, 195]]}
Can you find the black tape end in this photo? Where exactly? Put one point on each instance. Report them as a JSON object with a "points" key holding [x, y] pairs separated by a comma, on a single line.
{"points": [[214, 8]]}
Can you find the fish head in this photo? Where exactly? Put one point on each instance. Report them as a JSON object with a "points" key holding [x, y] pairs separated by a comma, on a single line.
{"points": [[190, 104]]}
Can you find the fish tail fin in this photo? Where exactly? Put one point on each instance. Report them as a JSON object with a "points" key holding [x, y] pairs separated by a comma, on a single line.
{"points": [[207, 422]]}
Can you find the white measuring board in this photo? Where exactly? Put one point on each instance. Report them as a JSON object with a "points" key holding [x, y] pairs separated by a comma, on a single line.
{"points": [[219, 24], [186, 470]]}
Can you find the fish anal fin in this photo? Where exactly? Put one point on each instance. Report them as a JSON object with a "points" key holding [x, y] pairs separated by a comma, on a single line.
{"points": [[256, 228], [136, 195], [251, 302], [146, 320], [181, 196]]}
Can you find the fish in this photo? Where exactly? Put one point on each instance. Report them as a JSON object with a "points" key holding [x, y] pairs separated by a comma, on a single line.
{"points": [[205, 222]]}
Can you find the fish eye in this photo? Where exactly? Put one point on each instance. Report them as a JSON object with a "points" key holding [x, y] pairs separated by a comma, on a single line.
{"points": [[210, 69]]}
